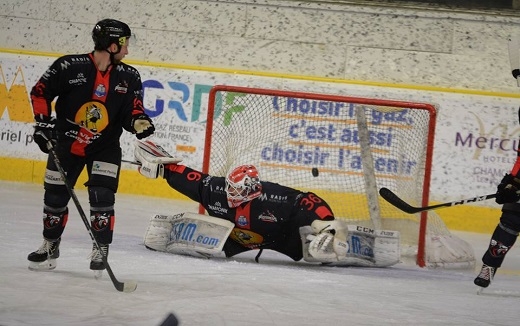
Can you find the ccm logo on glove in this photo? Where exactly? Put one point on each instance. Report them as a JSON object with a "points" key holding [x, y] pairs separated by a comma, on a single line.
{"points": [[44, 124]]}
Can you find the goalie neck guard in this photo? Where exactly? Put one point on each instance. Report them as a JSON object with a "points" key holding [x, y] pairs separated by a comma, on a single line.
{"points": [[242, 185]]}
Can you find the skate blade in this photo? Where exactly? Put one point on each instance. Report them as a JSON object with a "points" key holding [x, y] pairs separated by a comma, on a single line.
{"points": [[98, 274], [46, 265], [480, 290]]}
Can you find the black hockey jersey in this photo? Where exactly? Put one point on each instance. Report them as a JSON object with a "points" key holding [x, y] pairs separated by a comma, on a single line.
{"points": [[92, 107]]}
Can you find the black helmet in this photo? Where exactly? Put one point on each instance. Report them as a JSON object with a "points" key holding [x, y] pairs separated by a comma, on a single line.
{"points": [[108, 31]]}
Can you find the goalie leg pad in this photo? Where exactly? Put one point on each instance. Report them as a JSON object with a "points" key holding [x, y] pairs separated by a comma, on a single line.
{"points": [[369, 247], [199, 235], [188, 234], [158, 232]]}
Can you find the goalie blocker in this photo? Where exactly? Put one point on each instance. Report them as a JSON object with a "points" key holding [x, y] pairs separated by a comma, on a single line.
{"points": [[330, 242]]}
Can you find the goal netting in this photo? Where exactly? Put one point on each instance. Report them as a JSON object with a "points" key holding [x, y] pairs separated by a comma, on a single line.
{"points": [[344, 149]]}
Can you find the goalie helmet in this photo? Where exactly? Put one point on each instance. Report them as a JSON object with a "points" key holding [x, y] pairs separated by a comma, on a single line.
{"points": [[242, 185], [108, 31]]}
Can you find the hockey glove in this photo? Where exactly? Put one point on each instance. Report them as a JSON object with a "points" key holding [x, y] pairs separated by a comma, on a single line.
{"points": [[45, 125], [152, 158], [321, 244], [151, 170], [507, 190], [142, 125]]}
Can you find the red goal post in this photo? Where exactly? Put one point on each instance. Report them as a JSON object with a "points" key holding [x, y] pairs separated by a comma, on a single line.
{"points": [[341, 147]]}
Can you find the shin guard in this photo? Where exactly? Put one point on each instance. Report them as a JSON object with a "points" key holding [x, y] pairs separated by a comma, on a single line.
{"points": [[102, 224], [54, 221], [502, 240]]}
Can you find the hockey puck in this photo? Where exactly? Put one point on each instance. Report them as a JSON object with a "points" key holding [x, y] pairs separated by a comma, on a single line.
{"points": [[315, 172]]}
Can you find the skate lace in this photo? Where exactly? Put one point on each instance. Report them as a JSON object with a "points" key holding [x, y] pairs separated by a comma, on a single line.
{"points": [[46, 247], [96, 255], [487, 272]]}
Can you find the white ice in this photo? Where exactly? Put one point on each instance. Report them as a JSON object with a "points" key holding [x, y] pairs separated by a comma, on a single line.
{"points": [[239, 291]]}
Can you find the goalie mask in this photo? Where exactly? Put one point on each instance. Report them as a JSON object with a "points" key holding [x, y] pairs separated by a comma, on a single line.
{"points": [[242, 185]]}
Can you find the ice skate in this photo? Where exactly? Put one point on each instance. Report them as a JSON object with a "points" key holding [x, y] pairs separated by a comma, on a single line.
{"points": [[96, 259], [45, 257], [485, 277]]}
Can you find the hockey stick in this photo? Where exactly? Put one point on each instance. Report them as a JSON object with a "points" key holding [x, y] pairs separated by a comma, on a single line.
{"points": [[129, 286], [393, 199], [131, 162]]}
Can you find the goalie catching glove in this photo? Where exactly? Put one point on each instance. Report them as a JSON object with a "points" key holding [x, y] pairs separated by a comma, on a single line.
{"points": [[324, 246], [339, 244], [153, 158]]}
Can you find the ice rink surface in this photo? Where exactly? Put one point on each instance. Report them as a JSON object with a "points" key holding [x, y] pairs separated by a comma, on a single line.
{"points": [[239, 291]]}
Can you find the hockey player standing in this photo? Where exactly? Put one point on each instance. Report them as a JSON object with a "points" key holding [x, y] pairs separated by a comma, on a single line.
{"points": [[261, 215], [97, 97]]}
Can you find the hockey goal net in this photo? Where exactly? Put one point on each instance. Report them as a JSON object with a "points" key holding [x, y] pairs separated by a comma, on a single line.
{"points": [[342, 148]]}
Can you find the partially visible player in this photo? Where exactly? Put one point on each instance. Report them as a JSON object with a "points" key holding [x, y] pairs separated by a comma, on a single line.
{"points": [[505, 234], [262, 214]]}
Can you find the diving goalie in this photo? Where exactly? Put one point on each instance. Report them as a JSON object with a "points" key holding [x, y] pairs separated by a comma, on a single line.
{"points": [[247, 213]]}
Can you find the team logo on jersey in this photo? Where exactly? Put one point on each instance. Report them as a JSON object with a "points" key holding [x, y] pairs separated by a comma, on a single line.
{"points": [[217, 208], [207, 182], [268, 217], [242, 221], [122, 87], [100, 90], [79, 80], [278, 198], [247, 238], [273, 198], [65, 65], [92, 116]]}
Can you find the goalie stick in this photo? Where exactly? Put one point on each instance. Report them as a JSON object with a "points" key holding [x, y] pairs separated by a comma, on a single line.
{"points": [[129, 286], [393, 199]]}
